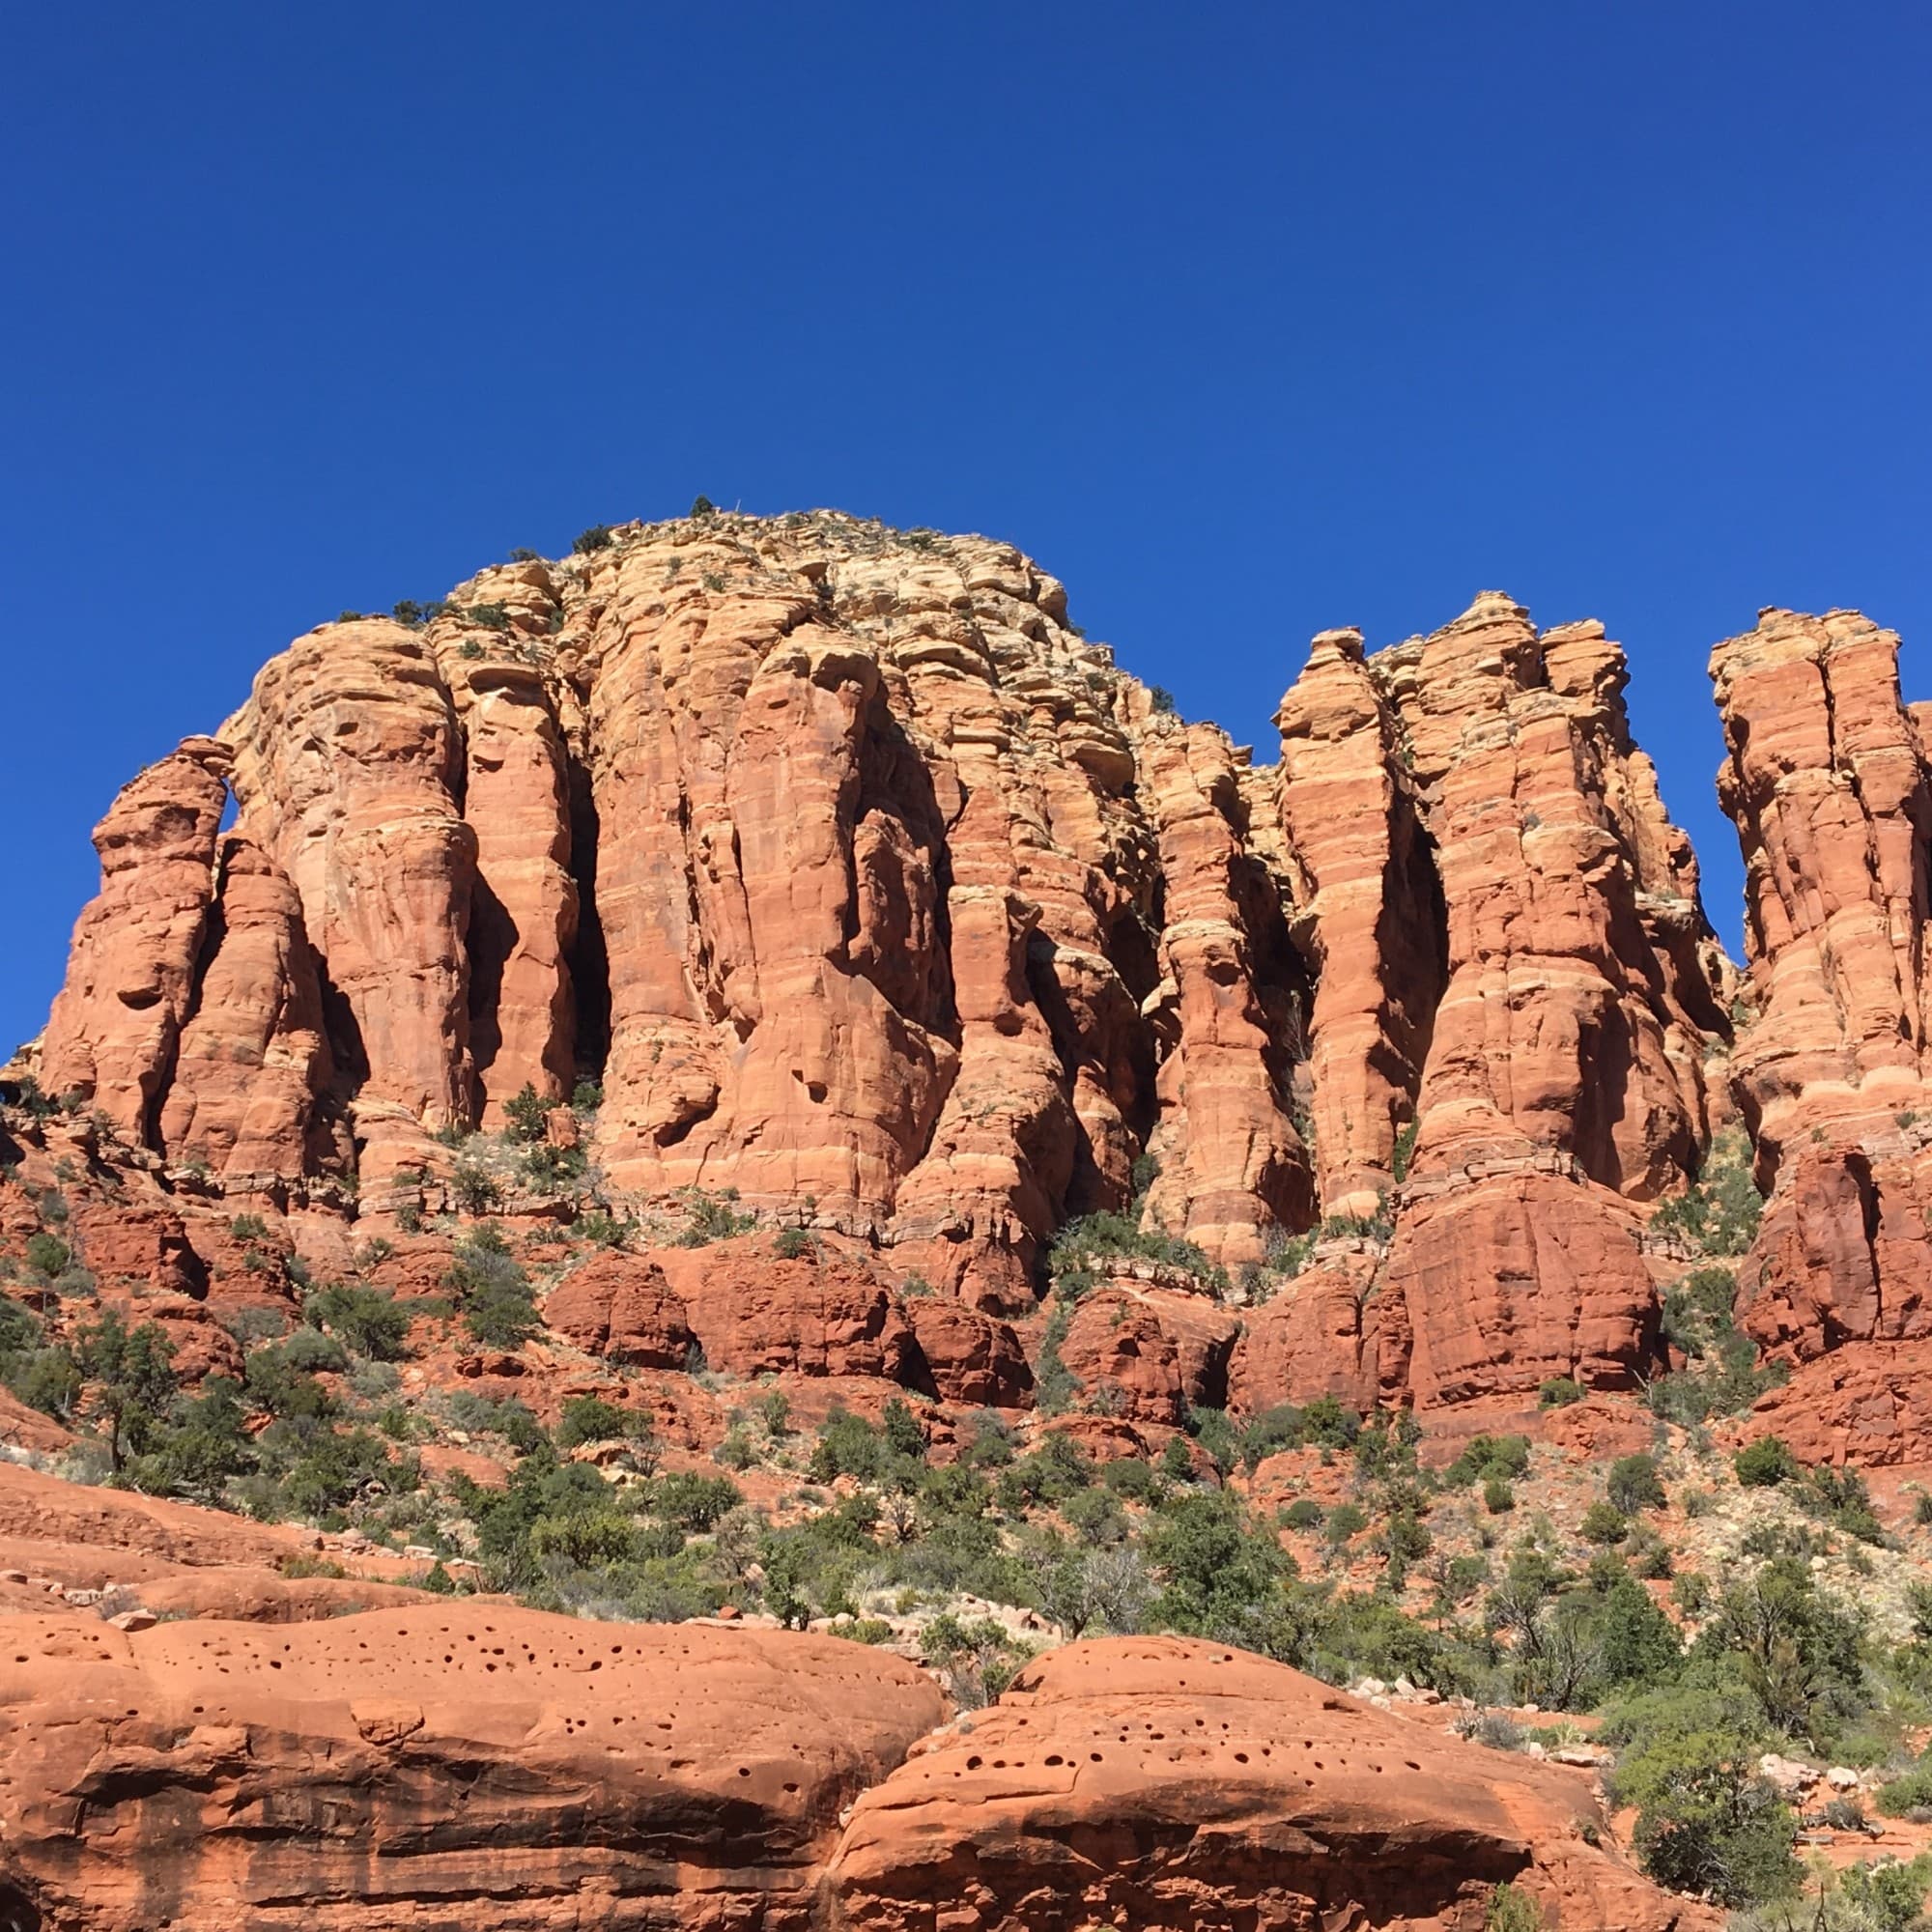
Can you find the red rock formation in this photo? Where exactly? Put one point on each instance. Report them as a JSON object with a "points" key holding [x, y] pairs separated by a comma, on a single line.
{"points": [[1867, 1406], [524, 910], [1232, 1169], [1827, 784], [758, 1313], [1321, 1333], [621, 1308], [1370, 914], [1517, 980], [348, 760], [968, 1356], [1150, 1355], [40, 1509], [1514, 1280], [876, 895], [112, 1035], [255, 1061], [1155, 1783], [1550, 1034], [362, 1772]]}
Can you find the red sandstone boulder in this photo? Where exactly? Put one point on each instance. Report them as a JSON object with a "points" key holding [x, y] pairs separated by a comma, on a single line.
{"points": [[230, 1775], [41, 1509], [1864, 1407], [1156, 1783], [1150, 1355], [756, 1312], [621, 1306], [121, 1240], [1519, 1280], [969, 1357], [1318, 1334]]}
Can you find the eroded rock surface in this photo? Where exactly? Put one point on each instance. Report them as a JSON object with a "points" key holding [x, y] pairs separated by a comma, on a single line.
{"points": [[1826, 783], [1157, 1782], [399, 1767]]}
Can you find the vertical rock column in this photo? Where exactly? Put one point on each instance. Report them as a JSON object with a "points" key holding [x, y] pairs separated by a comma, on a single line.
{"points": [[745, 868], [1232, 1167], [255, 1064], [116, 1023], [1372, 917], [524, 908], [347, 765], [1548, 1098], [1827, 781]]}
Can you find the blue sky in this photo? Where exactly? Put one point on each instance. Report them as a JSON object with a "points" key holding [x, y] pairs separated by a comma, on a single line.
{"points": [[1245, 320]]}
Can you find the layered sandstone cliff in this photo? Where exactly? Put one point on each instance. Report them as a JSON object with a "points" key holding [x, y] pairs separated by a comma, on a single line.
{"points": [[852, 872], [877, 897], [1827, 781]]}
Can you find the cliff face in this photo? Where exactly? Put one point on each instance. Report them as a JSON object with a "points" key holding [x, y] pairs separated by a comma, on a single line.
{"points": [[851, 871], [876, 898], [1827, 781]]}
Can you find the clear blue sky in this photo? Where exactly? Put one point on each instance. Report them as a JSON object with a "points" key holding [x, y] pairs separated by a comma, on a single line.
{"points": [[1245, 320]]}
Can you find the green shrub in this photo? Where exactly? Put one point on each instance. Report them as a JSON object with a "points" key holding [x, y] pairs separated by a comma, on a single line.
{"points": [[1633, 1484], [794, 1244], [1103, 1236], [1511, 1910], [1707, 1822], [1766, 1462], [597, 538], [693, 1502], [1604, 1524], [589, 1418], [133, 1386], [1498, 1499], [47, 1380], [1345, 1522], [527, 1114], [47, 1254], [367, 1319], [1559, 1392], [492, 1291], [1720, 1211], [1909, 1792], [1842, 1496], [19, 1329], [1220, 1575], [1885, 1897], [713, 1218], [1485, 1458], [476, 1190]]}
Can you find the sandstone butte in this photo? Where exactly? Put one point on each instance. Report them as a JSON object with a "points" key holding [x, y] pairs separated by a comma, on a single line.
{"points": [[883, 905], [876, 898]]}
